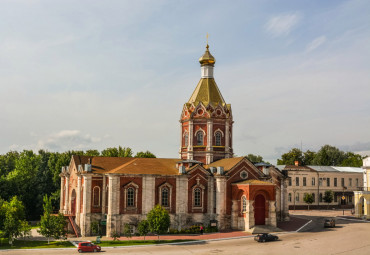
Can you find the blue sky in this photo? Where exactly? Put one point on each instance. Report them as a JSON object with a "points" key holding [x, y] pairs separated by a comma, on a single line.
{"points": [[97, 74]]}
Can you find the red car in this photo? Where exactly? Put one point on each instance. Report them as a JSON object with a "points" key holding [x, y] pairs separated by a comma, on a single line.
{"points": [[88, 246]]}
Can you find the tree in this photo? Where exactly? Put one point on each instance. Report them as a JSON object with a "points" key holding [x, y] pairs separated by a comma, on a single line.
{"points": [[143, 228], [255, 158], [328, 197], [308, 199], [46, 222], [127, 230], [308, 157], [117, 152], [290, 157], [59, 226], [328, 156], [92, 153], [146, 154], [159, 220], [352, 159], [14, 222]]}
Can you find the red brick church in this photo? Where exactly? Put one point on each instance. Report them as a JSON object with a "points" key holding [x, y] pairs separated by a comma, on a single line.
{"points": [[207, 184]]}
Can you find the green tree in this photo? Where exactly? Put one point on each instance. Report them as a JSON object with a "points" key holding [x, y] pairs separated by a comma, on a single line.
{"points": [[146, 154], [255, 158], [46, 222], [143, 228], [328, 197], [159, 220], [59, 226], [352, 159], [308, 157], [14, 220], [117, 152], [92, 153], [308, 199], [290, 157], [329, 156], [127, 230]]}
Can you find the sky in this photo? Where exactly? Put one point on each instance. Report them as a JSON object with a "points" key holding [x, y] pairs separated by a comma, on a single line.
{"points": [[78, 75]]}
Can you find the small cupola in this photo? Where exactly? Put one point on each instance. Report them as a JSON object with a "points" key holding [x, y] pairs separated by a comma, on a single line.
{"points": [[207, 59]]}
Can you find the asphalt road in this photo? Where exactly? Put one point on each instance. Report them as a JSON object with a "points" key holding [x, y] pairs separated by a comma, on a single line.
{"points": [[349, 237]]}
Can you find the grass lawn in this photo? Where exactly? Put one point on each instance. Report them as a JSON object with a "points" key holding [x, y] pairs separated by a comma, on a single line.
{"points": [[19, 244], [138, 242]]}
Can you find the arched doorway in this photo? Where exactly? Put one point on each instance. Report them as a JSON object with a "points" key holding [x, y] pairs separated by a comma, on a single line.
{"points": [[73, 202], [259, 210]]}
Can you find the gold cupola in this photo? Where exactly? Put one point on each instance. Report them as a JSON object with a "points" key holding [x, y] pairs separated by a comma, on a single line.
{"points": [[207, 58]]}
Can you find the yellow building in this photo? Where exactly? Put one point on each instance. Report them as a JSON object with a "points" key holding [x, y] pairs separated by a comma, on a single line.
{"points": [[362, 198]]}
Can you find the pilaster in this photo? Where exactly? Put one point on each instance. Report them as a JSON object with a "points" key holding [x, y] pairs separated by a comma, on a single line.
{"points": [[221, 200], [66, 196], [191, 138], [78, 200], [113, 224], [181, 200], [148, 201], [103, 202], [62, 194], [86, 206]]}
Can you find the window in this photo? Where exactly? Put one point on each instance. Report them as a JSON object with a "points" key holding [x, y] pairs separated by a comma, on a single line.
{"points": [[297, 197], [244, 204], [297, 181], [199, 138], [328, 182], [350, 182], [130, 197], [197, 197], [290, 197], [313, 181], [356, 182], [335, 198], [320, 181], [290, 181], [218, 138], [342, 182], [335, 182], [165, 194], [320, 197], [96, 196], [313, 197], [186, 139], [304, 181]]}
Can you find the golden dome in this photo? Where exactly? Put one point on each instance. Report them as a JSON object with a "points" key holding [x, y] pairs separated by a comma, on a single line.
{"points": [[207, 58]]}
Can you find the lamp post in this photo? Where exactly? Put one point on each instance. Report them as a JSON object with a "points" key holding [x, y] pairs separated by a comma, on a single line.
{"points": [[343, 198]]}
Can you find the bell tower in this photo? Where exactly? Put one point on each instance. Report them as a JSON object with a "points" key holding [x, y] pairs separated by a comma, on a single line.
{"points": [[206, 119]]}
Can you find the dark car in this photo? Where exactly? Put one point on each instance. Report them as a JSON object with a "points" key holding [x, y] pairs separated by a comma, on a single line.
{"points": [[88, 246], [329, 223], [265, 238]]}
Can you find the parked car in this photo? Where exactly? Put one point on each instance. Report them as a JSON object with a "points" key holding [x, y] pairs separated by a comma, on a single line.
{"points": [[329, 223], [265, 237], [88, 246]]}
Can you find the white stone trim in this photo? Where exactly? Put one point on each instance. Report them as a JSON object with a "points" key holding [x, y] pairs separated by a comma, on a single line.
{"points": [[169, 187], [99, 196]]}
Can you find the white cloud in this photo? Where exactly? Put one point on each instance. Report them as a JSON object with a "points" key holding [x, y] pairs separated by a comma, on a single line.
{"points": [[282, 24], [315, 43], [67, 140]]}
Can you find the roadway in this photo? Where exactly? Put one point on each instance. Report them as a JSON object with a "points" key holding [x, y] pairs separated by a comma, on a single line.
{"points": [[349, 237]]}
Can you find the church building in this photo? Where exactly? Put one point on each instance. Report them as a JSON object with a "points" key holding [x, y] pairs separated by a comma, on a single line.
{"points": [[205, 185]]}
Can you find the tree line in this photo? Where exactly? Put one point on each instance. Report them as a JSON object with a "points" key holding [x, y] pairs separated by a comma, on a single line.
{"points": [[327, 156], [30, 176]]}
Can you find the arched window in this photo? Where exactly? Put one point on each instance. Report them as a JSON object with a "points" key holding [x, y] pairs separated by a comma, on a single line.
{"points": [[130, 197], [96, 196], [186, 139], [165, 194], [218, 136], [197, 197], [244, 204], [200, 138], [290, 197]]}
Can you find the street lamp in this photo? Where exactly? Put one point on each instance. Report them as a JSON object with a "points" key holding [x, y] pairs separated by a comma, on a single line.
{"points": [[343, 198]]}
